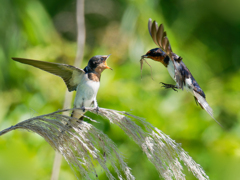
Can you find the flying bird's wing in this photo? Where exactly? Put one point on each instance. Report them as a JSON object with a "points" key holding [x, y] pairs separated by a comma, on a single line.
{"points": [[159, 36], [70, 74], [203, 103]]}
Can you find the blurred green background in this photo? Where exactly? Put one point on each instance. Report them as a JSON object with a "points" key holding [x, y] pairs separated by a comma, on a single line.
{"points": [[205, 33]]}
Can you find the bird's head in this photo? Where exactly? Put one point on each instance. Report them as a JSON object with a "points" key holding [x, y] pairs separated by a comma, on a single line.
{"points": [[98, 63], [156, 54]]}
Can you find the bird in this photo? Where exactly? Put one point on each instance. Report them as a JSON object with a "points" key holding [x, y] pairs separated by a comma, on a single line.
{"points": [[85, 81], [175, 66]]}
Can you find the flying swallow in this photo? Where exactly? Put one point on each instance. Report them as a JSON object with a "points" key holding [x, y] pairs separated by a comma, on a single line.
{"points": [[175, 66], [85, 81]]}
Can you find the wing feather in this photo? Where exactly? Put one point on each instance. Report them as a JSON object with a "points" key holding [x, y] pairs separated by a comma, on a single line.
{"points": [[202, 101], [150, 26], [70, 74], [159, 37], [154, 31]]}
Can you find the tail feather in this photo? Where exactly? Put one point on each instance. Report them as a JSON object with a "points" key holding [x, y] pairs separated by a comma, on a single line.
{"points": [[203, 103], [78, 114]]}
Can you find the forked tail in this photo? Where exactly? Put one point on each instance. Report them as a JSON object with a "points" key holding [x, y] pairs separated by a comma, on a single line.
{"points": [[203, 103]]}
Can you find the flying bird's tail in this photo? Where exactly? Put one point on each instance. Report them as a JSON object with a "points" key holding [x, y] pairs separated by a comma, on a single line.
{"points": [[203, 103]]}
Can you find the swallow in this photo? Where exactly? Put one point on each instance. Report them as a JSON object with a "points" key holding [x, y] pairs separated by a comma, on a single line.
{"points": [[85, 81], [175, 66]]}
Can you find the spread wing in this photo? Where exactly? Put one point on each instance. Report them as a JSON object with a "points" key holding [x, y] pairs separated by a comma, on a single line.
{"points": [[70, 74], [159, 36], [203, 103]]}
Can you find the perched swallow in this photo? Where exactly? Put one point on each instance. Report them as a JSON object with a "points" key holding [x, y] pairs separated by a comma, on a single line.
{"points": [[85, 81], [175, 66]]}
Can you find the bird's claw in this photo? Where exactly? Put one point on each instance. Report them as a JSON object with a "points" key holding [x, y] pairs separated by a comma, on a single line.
{"points": [[83, 108], [97, 109], [166, 86]]}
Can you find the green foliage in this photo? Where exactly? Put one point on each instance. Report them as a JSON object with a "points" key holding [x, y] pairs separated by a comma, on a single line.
{"points": [[204, 33]]}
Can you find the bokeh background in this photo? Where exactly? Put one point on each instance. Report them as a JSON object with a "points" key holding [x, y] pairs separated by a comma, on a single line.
{"points": [[205, 33]]}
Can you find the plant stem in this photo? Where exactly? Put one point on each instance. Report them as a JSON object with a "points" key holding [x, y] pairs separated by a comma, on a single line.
{"points": [[78, 60]]}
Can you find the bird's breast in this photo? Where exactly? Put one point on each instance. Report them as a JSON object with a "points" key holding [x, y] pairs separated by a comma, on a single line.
{"points": [[86, 91], [188, 84]]}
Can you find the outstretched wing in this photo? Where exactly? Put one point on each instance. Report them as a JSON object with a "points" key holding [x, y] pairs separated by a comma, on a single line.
{"points": [[159, 36], [203, 103], [70, 74]]}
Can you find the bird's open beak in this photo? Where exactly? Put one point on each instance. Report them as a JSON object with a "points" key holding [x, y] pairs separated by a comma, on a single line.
{"points": [[106, 66], [144, 56]]}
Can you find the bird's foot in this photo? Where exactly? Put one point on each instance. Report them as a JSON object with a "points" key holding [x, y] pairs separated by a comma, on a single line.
{"points": [[166, 86], [83, 108], [97, 109], [196, 100]]}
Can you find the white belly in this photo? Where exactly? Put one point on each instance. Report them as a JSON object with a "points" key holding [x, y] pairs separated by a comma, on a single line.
{"points": [[86, 93], [188, 85], [188, 82]]}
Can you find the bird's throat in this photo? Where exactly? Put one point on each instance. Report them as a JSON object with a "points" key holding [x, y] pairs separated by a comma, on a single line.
{"points": [[161, 59]]}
